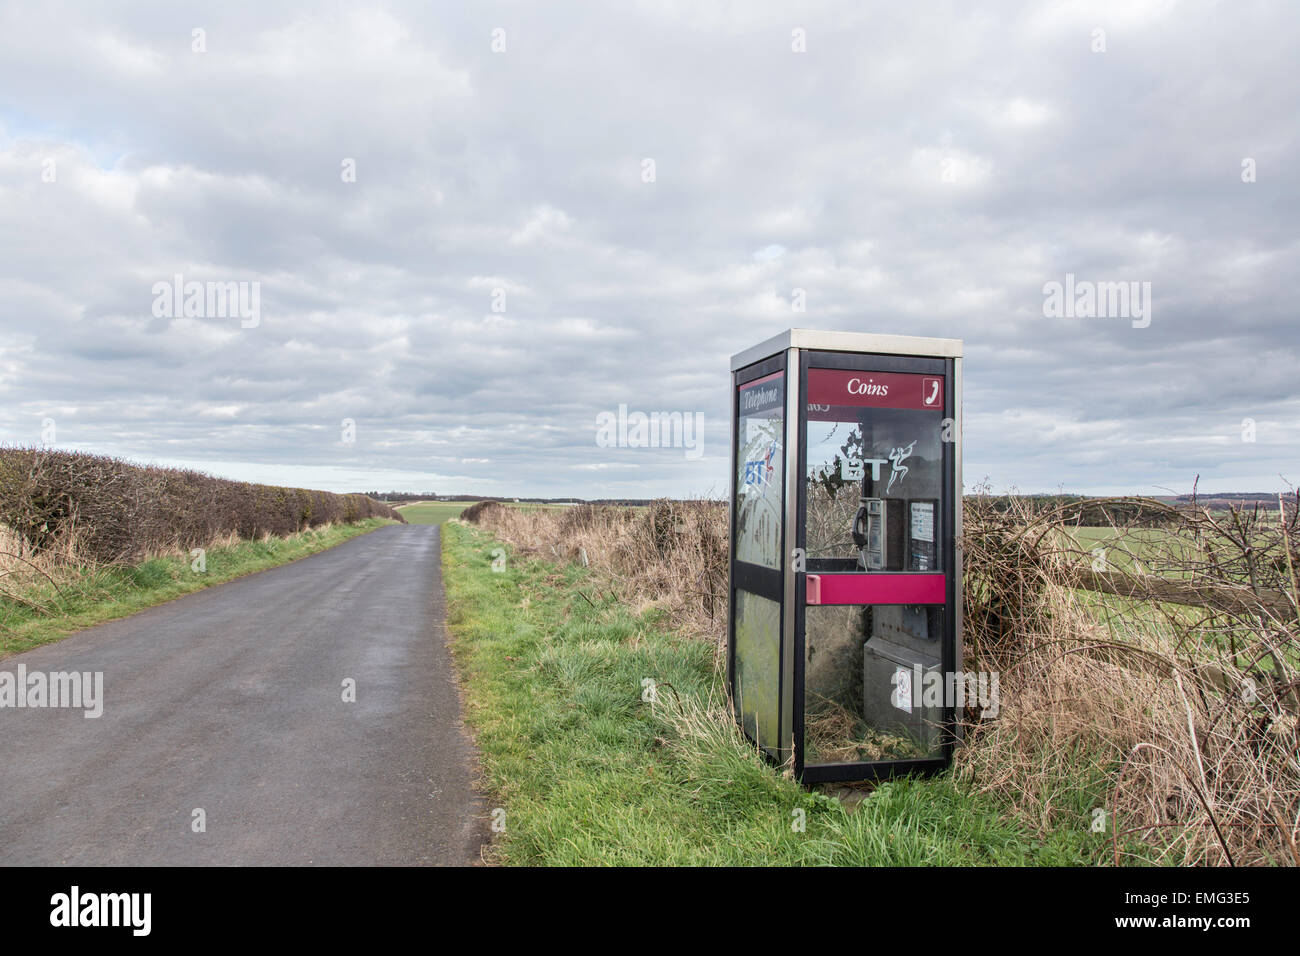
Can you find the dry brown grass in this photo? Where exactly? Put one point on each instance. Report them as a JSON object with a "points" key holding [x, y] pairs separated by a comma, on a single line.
{"points": [[670, 555], [39, 578], [1177, 721], [22, 566]]}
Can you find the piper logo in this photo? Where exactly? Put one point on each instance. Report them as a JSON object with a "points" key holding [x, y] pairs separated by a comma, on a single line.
{"points": [[896, 458], [74, 908]]}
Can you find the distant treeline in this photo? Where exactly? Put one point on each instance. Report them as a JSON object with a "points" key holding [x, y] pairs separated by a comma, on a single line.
{"points": [[106, 509], [401, 495], [430, 496], [1246, 497]]}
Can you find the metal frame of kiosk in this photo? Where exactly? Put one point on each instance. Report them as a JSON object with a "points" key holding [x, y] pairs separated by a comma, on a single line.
{"points": [[844, 563]]}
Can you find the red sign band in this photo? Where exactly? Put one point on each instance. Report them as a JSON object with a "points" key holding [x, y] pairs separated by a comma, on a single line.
{"points": [[838, 387]]}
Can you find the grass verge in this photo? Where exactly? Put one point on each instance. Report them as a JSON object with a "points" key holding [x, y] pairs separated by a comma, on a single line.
{"points": [[45, 612], [591, 773]]}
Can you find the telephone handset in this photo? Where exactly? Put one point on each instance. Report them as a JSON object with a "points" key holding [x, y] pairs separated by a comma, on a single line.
{"points": [[858, 526], [895, 534], [869, 533]]}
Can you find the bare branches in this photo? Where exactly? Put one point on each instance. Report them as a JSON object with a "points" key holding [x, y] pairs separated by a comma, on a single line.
{"points": [[1162, 642]]}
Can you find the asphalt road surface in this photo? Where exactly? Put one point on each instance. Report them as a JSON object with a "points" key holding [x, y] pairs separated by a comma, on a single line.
{"points": [[230, 701]]}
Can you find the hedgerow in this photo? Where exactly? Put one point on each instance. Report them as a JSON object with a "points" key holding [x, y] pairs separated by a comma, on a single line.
{"points": [[119, 511]]}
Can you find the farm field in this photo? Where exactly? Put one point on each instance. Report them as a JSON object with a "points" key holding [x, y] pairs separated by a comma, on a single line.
{"points": [[437, 512], [431, 512], [1155, 550], [1141, 550]]}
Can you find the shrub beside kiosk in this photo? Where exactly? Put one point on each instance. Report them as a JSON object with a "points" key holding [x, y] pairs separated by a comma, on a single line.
{"points": [[845, 579]]}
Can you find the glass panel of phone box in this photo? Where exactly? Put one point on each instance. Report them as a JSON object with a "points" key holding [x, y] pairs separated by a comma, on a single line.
{"points": [[873, 491], [760, 480]]}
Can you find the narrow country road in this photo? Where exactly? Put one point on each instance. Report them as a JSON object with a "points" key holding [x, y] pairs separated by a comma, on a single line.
{"points": [[230, 702]]}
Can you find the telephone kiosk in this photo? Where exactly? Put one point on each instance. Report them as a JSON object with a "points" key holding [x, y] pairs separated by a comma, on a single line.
{"points": [[844, 573]]}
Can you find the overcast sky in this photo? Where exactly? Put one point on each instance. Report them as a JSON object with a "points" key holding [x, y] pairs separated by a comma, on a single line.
{"points": [[914, 168]]}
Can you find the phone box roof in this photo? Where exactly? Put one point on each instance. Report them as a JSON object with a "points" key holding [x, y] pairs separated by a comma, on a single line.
{"points": [[847, 342]]}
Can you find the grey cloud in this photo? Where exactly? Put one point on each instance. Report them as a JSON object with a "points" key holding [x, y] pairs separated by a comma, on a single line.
{"points": [[521, 171]]}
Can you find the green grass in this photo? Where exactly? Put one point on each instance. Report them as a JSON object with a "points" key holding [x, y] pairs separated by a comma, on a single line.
{"points": [[1157, 550], [589, 773], [432, 512], [103, 594], [1160, 552], [1163, 551]]}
